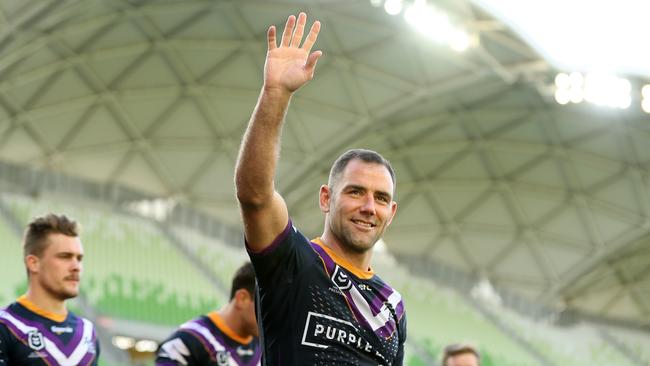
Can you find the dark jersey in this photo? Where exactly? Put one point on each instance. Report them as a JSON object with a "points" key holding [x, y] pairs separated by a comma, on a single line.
{"points": [[207, 340], [30, 336], [317, 309]]}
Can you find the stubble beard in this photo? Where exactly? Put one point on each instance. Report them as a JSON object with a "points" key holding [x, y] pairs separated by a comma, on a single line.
{"points": [[348, 240], [61, 294]]}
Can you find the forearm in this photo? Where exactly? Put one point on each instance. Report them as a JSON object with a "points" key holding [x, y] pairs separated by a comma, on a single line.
{"points": [[260, 149]]}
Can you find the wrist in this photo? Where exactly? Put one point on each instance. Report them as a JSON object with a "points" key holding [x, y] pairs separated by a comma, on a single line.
{"points": [[276, 93]]}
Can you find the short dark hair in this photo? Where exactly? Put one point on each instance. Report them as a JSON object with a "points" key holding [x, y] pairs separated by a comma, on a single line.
{"points": [[38, 230], [367, 156], [244, 278], [459, 349]]}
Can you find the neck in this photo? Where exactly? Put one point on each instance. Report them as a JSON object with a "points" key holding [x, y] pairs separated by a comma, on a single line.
{"points": [[45, 302], [361, 260], [233, 320]]}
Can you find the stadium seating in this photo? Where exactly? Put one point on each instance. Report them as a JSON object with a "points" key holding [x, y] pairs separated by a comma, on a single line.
{"points": [[635, 341], [221, 259], [579, 345], [131, 270], [12, 271], [438, 317]]}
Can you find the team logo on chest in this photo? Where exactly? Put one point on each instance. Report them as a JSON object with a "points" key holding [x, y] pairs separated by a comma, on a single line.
{"points": [[222, 358], [35, 340], [341, 279]]}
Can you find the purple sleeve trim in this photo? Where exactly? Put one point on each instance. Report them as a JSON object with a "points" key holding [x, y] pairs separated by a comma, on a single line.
{"points": [[279, 239]]}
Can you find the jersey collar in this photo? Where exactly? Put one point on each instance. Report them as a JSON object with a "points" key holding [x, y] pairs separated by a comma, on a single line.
{"points": [[37, 310], [219, 323], [364, 275]]}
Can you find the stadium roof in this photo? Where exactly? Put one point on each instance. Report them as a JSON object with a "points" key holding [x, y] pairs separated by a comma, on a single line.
{"points": [[494, 178]]}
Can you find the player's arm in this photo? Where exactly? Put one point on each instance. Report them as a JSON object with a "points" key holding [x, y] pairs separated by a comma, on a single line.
{"points": [[4, 346], [182, 349], [399, 360], [288, 67], [97, 350]]}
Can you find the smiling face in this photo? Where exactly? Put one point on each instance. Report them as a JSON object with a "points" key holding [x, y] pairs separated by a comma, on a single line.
{"points": [[359, 205], [57, 270]]}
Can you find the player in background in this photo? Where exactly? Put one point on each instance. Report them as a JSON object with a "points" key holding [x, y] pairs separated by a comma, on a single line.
{"points": [[38, 329], [461, 354], [224, 337], [320, 301]]}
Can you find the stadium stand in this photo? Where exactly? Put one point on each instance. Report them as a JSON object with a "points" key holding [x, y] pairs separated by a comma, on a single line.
{"points": [[11, 271], [220, 258], [635, 342], [131, 270], [572, 345], [437, 317]]}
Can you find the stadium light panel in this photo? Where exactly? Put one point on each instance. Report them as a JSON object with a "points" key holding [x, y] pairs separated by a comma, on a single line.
{"points": [[562, 81], [435, 24], [595, 87], [645, 104], [562, 96], [576, 80], [576, 95], [581, 34], [459, 41], [607, 90], [645, 92], [393, 7]]}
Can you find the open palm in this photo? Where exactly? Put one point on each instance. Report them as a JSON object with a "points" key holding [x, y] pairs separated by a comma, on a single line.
{"points": [[291, 65]]}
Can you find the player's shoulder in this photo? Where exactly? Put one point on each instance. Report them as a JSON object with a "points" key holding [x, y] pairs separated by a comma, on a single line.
{"points": [[193, 331], [185, 344], [8, 314]]}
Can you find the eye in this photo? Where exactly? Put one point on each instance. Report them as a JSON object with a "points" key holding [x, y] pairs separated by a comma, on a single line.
{"points": [[383, 199]]}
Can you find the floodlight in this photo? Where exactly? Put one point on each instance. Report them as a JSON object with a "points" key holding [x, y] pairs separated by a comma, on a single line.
{"points": [[562, 96], [393, 7], [459, 40], [645, 104], [562, 81], [645, 91]]}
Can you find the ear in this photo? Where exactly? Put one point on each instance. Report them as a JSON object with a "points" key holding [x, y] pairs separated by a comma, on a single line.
{"points": [[241, 296], [32, 263], [393, 211], [324, 197]]}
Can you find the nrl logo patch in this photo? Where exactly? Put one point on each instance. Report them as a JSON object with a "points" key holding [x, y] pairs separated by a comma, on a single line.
{"points": [[341, 279], [35, 340], [222, 358]]}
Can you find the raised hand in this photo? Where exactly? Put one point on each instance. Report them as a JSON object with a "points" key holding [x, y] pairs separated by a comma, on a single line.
{"points": [[291, 65]]}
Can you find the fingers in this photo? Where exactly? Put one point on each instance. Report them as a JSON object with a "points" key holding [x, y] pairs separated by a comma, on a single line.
{"points": [[311, 37], [270, 36], [300, 29], [288, 31], [310, 66], [294, 29]]}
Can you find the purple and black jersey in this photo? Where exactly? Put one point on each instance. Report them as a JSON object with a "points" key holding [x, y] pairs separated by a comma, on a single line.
{"points": [[317, 309], [208, 341], [29, 337]]}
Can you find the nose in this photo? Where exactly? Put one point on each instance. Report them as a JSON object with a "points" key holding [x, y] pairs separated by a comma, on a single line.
{"points": [[368, 206], [76, 265]]}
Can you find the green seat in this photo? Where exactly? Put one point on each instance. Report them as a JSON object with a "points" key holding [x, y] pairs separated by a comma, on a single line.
{"points": [[131, 270]]}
